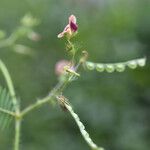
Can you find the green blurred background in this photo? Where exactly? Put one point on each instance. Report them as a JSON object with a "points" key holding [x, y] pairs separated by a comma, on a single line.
{"points": [[115, 108]]}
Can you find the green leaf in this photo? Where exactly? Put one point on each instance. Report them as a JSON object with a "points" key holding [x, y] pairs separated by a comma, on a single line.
{"points": [[6, 106]]}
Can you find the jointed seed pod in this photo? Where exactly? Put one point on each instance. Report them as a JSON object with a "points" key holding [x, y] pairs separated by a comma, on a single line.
{"points": [[141, 62], [119, 67], [100, 67], [132, 64], [110, 68], [90, 65]]}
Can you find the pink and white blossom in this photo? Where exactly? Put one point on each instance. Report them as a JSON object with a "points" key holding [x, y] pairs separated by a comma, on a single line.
{"points": [[70, 29]]}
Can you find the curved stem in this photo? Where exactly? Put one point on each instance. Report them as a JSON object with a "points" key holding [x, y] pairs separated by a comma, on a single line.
{"points": [[15, 103], [9, 82]]}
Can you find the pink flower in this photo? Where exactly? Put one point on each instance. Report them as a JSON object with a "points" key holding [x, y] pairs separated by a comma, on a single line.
{"points": [[59, 67], [70, 29]]}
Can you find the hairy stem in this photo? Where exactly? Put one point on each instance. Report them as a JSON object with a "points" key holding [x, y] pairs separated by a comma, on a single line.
{"points": [[58, 88], [55, 91], [35, 105]]}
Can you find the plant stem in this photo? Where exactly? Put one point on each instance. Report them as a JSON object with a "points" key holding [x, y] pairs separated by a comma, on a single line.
{"points": [[9, 83], [7, 112], [35, 105], [17, 134], [58, 88], [19, 115], [55, 91], [15, 103]]}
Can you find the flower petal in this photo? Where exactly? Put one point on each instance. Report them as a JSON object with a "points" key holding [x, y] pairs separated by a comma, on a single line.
{"points": [[73, 19], [66, 29], [60, 35], [73, 27], [70, 28]]}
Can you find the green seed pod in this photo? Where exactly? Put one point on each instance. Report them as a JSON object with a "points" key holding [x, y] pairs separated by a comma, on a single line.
{"points": [[120, 67], [110, 68], [132, 64], [100, 67], [141, 62], [90, 65]]}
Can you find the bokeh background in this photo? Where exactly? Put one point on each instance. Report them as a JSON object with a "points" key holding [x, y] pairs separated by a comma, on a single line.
{"points": [[115, 108]]}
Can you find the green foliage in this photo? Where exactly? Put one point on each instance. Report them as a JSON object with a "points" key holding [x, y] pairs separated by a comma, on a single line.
{"points": [[23, 31], [6, 107], [115, 109]]}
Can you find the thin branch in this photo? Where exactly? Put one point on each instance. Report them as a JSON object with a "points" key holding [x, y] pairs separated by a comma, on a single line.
{"points": [[35, 105], [55, 91], [7, 112], [17, 134], [58, 88]]}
